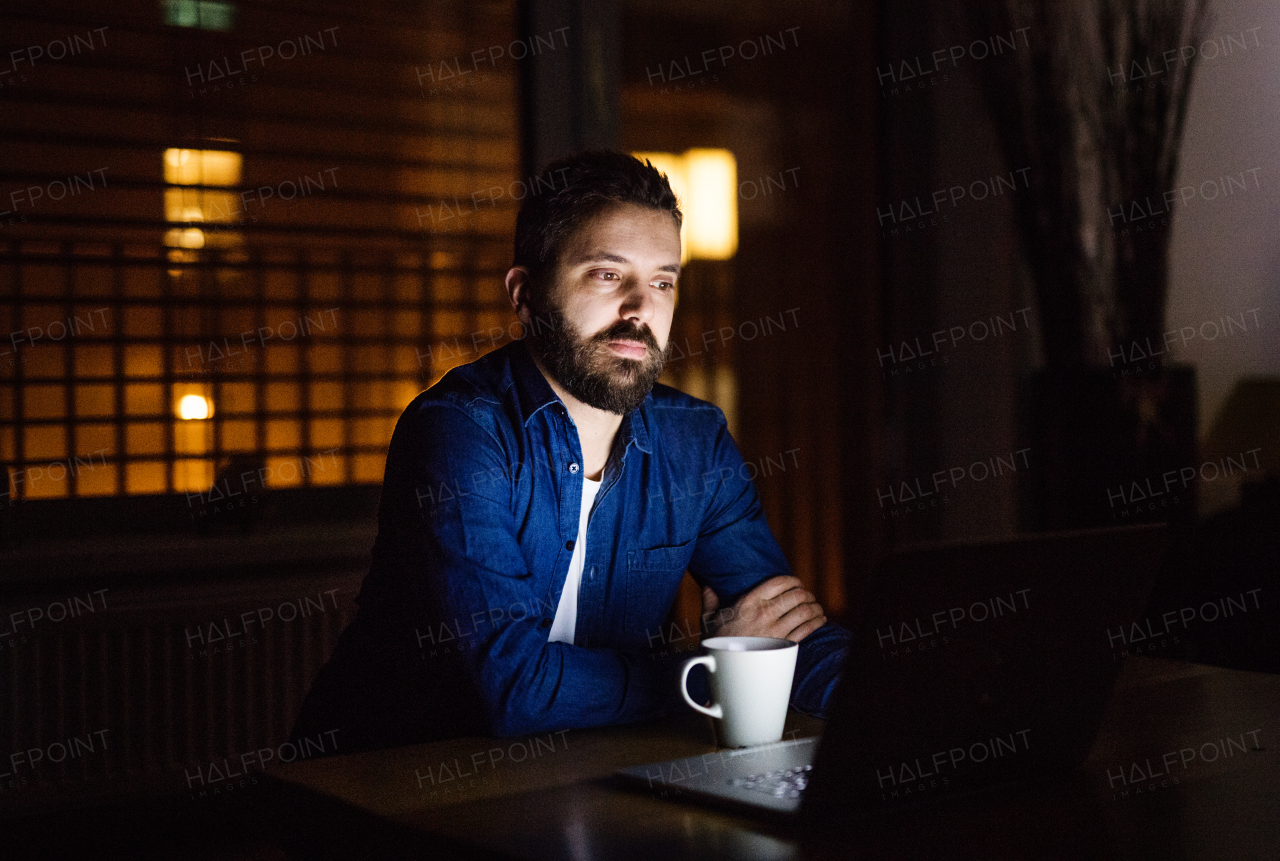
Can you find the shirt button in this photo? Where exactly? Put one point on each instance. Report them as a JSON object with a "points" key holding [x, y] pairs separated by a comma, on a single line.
{"points": [[568, 545], [545, 623], [573, 467], [592, 575]]}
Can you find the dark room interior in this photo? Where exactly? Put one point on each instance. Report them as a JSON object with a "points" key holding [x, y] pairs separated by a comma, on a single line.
{"points": [[984, 270]]}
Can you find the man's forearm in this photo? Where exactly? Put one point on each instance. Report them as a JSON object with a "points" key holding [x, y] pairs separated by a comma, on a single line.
{"points": [[818, 669], [569, 687]]}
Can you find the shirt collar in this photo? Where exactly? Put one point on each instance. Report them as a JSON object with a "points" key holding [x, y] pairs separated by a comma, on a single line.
{"points": [[535, 393], [532, 389]]}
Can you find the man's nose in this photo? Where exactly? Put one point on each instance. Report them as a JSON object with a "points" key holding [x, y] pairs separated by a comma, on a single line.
{"points": [[637, 305]]}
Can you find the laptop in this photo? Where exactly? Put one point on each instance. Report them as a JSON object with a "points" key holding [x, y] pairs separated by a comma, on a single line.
{"points": [[974, 665]]}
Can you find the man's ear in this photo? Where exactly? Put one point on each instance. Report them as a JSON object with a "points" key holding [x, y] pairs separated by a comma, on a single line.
{"points": [[518, 286]]}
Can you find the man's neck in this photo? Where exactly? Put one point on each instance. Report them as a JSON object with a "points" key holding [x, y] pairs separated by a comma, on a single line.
{"points": [[596, 428]]}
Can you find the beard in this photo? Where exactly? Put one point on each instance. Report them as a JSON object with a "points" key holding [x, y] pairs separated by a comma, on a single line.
{"points": [[586, 367]]}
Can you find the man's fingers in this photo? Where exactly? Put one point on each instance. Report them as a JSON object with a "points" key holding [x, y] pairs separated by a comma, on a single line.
{"points": [[800, 615], [773, 587], [806, 629], [782, 603], [710, 601]]}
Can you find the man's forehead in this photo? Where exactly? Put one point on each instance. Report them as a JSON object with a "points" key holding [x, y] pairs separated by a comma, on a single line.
{"points": [[617, 233]]}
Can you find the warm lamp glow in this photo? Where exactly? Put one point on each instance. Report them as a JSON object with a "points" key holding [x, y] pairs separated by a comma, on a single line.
{"points": [[201, 167], [712, 209], [705, 182], [194, 407], [195, 167]]}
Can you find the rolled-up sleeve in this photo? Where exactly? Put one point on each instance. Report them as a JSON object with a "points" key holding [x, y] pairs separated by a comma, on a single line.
{"points": [[736, 551]]}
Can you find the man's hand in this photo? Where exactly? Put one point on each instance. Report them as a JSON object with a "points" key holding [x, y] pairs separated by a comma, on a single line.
{"points": [[778, 607]]}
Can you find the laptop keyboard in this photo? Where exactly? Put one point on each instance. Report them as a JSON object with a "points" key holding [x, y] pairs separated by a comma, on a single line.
{"points": [[786, 783]]}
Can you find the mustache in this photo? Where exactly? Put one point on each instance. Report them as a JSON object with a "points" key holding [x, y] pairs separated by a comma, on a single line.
{"points": [[628, 331]]}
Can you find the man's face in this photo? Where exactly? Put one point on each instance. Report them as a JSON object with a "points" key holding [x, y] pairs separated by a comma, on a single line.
{"points": [[608, 310]]}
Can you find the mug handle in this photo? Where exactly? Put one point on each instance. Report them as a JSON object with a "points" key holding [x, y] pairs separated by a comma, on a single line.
{"points": [[709, 660]]}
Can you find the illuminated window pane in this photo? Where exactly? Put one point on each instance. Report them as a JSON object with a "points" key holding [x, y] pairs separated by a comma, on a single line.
{"points": [[366, 285], [44, 361], [323, 322], [407, 324], [45, 402], [237, 398], [326, 396], [449, 325], [46, 443], [319, 463], [368, 323], [94, 360], [282, 434], [144, 438], [93, 281], [144, 399], [146, 477], [368, 467], [201, 14], [280, 283], [96, 440], [406, 391], [141, 360], [201, 167], [283, 398], [282, 359], [410, 361], [97, 480], [492, 326], [285, 471], [325, 359], [326, 433], [38, 280], [373, 431], [365, 396], [239, 435], [334, 471], [144, 321], [448, 287], [324, 285], [198, 207], [370, 360], [6, 447], [192, 437], [142, 281], [96, 401], [46, 481], [237, 326], [192, 475], [409, 288]]}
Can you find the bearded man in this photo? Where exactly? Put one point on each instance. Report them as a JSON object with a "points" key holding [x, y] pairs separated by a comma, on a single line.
{"points": [[542, 504]]}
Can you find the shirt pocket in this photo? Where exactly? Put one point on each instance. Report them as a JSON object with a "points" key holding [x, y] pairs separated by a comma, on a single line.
{"points": [[653, 579]]}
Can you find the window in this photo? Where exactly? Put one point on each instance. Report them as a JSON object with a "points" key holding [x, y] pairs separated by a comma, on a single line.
{"points": [[203, 14], [192, 202], [284, 244]]}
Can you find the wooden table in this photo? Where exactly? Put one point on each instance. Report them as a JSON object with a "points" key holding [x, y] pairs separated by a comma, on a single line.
{"points": [[1139, 795]]}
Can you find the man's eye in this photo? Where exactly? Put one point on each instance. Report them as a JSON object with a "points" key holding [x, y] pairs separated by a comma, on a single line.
{"points": [[605, 274], [665, 285]]}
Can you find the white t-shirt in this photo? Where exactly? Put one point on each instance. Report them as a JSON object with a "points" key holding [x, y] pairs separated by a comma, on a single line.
{"points": [[566, 621]]}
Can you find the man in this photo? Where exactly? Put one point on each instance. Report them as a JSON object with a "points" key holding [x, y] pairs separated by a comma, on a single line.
{"points": [[542, 504]]}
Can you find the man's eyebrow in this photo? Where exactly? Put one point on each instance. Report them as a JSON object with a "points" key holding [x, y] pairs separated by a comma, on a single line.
{"points": [[610, 257]]}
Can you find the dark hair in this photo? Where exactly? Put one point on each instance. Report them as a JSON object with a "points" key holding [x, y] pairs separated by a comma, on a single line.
{"points": [[576, 189]]}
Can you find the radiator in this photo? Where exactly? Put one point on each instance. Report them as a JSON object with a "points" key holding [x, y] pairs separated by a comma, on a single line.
{"points": [[159, 689]]}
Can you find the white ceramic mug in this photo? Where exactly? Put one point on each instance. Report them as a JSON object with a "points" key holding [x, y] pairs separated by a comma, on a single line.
{"points": [[750, 686]]}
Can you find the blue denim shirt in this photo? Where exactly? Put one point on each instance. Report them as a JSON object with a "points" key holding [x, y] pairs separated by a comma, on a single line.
{"points": [[478, 519]]}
